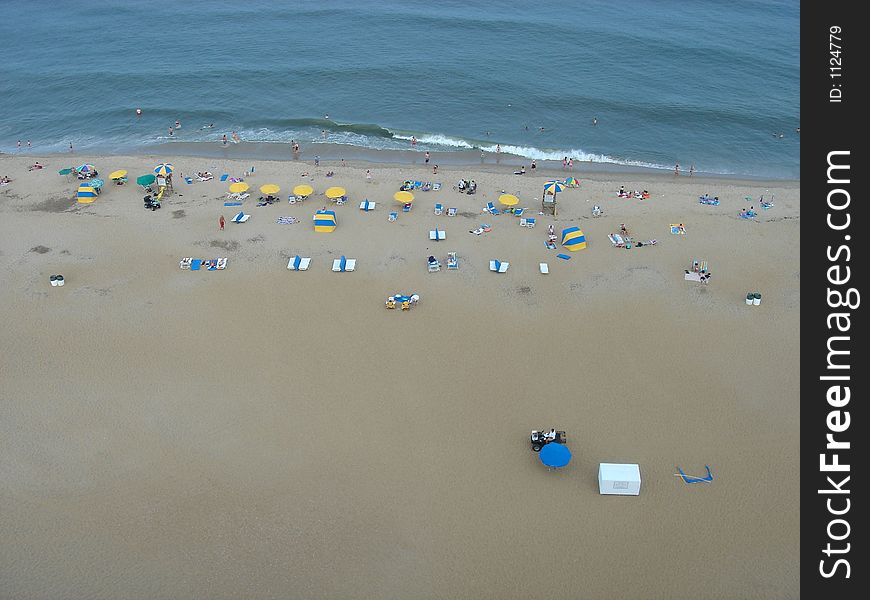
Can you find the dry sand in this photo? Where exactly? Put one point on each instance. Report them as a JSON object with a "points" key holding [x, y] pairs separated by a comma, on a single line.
{"points": [[261, 433]]}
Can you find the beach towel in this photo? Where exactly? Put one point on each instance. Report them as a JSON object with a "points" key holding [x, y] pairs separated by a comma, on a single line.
{"points": [[224, 176], [766, 205], [678, 229], [287, 220], [232, 203], [563, 256], [616, 240], [195, 264], [188, 179], [544, 267], [550, 244]]}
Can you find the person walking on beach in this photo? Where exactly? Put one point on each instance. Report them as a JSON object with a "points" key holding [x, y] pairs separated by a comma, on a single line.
{"points": [[221, 222], [534, 165], [677, 169], [368, 176], [564, 163], [427, 157], [413, 141], [570, 164], [317, 160], [435, 170], [691, 169]]}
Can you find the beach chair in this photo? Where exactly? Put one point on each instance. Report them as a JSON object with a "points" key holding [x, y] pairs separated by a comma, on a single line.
{"points": [[394, 216], [518, 212], [451, 212], [530, 221], [616, 240], [407, 207], [523, 222], [491, 209], [341, 200], [188, 179], [366, 205], [434, 265], [224, 176], [436, 186], [563, 256], [452, 262], [299, 263], [343, 264], [184, 263], [418, 185], [596, 211], [439, 209], [437, 235], [498, 266], [221, 263], [691, 479], [240, 218], [677, 229], [196, 264], [544, 267]]}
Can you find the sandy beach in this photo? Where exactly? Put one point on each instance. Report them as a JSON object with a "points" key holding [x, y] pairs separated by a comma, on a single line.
{"points": [[262, 433]]}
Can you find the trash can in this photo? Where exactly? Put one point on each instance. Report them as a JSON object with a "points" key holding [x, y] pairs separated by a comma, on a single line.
{"points": [[53, 280], [756, 298], [59, 279], [750, 298]]}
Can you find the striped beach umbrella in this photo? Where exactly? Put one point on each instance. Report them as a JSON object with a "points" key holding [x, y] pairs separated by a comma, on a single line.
{"points": [[573, 238], [553, 187], [270, 188], [85, 168], [86, 193], [239, 187], [571, 182], [303, 190], [508, 200], [120, 173], [403, 197], [163, 169], [324, 221], [335, 192]]}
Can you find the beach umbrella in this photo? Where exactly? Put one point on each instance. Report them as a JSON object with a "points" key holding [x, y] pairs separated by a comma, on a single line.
{"points": [[555, 455], [145, 180], [553, 187], [239, 187], [324, 221], [97, 183], [335, 192], [404, 197], [86, 193], [270, 188], [573, 238], [571, 182], [163, 169], [119, 174], [66, 171], [508, 199], [303, 190], [86, 168]]}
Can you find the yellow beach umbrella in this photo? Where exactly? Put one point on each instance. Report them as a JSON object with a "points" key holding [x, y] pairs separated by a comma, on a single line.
{"points": [[404, 197], [508, 199], [303, 190], [118, 174], [335, 192], [239, 187], [270, 188]]}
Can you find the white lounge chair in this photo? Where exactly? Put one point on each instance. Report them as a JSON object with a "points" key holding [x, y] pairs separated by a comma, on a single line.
{"points": [[366, 205], [451, 212], [452, 262], [184, 263], [298, 263], [498, 266], [545, 268], [349, 264], [434, 266], [437, 234], [240, 218]]}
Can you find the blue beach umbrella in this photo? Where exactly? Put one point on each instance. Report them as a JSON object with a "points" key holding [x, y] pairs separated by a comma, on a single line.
{"points": [[97, 183], [163, 169], [555, 455]]}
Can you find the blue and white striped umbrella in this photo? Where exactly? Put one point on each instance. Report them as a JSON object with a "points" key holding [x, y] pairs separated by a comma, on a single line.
{"points": [[163, 169], [552, 187]]}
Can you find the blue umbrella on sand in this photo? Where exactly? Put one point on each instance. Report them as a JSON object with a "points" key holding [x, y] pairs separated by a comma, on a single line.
{"points": [[555, 455]]}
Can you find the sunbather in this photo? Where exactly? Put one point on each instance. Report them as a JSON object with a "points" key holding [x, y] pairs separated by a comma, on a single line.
{"points": [[5, 180], [35, 166]]}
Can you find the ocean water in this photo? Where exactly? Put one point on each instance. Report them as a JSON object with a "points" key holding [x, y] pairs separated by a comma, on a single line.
{"points": [[704, 82]]}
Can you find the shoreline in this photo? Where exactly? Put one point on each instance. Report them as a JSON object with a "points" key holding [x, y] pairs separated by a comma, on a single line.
{"points": [[355, 156]]}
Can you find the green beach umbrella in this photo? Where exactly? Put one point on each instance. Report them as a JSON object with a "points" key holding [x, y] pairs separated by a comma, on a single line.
{"points": [[64, 171], [146, 180]]}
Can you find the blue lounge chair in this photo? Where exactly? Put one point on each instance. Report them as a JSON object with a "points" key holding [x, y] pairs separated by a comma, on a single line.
{"points": [[490, 208], [224, 176], [439, 209], [518, 212], [530, 221], [407, 207], [188, 179], [394, 216], [498, 266], [690, 479], [195, 264]]}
